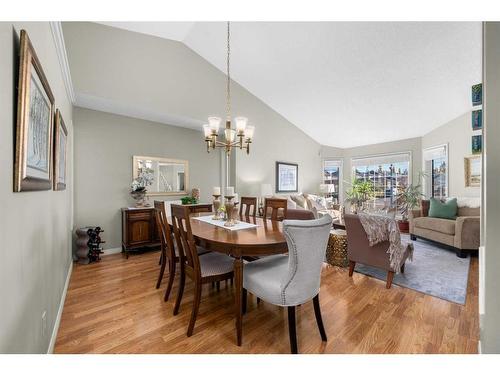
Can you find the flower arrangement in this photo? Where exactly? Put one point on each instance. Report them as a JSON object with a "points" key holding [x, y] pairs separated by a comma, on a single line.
{"points": [[143, 180]]}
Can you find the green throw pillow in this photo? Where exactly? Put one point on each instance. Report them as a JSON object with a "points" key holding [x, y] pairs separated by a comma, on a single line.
{"points": [[447, 210]]}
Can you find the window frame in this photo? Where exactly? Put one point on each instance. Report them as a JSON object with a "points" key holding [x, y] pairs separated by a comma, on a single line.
{"points": [[425, 178], [340, 161]]}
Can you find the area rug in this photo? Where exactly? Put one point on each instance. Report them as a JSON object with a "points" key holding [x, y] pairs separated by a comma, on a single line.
{"points": [[435, 271]]}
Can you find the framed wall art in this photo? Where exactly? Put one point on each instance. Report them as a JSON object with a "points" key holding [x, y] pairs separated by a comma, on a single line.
{"points": [[477, 119], [60, 152], [477, 94], [35, 117], [287, 177], [472, 167], [477, 144]]}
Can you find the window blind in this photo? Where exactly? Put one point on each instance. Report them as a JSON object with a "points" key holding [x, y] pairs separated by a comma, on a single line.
{"points": [[435, 152], [332, 163], [381, 159]]}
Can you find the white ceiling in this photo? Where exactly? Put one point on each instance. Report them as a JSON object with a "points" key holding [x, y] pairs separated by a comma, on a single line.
{"points": [[345, 84]]}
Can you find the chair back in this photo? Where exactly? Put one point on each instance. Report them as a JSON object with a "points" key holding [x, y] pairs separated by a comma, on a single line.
{"points": [[298, 214], [186, 245], [167, 243], [307, 241], [248, 202], [275, 205]]}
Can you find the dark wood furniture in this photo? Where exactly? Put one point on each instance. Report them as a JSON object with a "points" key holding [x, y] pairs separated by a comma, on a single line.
{"points": [[275, 204], [266, 239], [338, 224], [139, 230], [168, 254], [209, 268], [299, 214], [198, 207], [248, 202]]}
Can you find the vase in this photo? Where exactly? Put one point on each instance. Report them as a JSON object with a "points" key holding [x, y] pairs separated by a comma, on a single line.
{"points": [[140, 198]]}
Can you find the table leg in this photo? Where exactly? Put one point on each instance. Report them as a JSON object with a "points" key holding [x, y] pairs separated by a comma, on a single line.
{"points": [[238, 278]]}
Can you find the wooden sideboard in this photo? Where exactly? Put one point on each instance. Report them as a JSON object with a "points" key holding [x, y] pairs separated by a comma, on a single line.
{"points": [[139, 229]]}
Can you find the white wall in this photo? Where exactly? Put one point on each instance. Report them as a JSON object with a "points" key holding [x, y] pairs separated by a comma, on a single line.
{"points": [[104, 147], [457, 134], [35, 227], [490, 259]]}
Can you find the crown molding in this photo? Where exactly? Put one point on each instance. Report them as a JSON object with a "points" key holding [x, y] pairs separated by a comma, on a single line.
{"points": [[57, 35]]}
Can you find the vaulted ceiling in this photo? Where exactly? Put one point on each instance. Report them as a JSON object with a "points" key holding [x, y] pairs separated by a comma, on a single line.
{"points": [[345, 84]]}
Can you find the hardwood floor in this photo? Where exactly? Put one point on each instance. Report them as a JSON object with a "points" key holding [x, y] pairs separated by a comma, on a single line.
{"points": [[113, 307]]}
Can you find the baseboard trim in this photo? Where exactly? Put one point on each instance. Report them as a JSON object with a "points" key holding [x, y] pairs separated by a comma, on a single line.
{"points": [[53, 338], [114, 250]]}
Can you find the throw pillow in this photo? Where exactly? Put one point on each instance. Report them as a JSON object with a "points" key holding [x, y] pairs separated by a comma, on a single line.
{"points": [[299, 200], [424, 211], [443, 210]]}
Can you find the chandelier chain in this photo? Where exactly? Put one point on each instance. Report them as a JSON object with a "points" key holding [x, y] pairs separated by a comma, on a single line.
{"points": [[228, 89]]}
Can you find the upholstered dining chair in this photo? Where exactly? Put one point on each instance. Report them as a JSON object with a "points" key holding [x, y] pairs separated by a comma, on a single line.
{"points": [[275, 205], [248, 202], [292, 280], [208, 268]]}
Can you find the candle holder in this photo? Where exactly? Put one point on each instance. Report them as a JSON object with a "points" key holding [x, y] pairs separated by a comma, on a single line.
{"points": [[216, 204], [229, 211]]}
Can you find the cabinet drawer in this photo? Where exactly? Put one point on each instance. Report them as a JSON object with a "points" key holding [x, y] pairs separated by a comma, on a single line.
{"points": [[141, 215]]}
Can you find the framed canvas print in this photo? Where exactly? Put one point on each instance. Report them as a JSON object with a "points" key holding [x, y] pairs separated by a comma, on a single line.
{"points": [[472, 167], [35, 116], [477, 94], [60, 146], [477, 144], [477, 119], [287, 175]]}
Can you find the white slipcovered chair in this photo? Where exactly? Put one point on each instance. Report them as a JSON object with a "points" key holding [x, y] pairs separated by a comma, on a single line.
{"points": [[294, 279]]}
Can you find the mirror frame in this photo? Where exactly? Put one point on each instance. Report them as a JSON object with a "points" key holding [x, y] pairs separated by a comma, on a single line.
{"points": [[136, 158]]}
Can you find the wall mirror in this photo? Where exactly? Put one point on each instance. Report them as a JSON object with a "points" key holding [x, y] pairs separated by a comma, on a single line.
{"points": [[170, 176]]}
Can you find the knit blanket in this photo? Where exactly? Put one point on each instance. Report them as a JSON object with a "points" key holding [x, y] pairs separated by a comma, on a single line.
{"points": [[380, 228]]}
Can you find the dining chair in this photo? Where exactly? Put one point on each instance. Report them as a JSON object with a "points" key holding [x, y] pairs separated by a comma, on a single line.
{"points": [[292, 280], [168, 249], [275, 205], [248, 202], [208, 268]]}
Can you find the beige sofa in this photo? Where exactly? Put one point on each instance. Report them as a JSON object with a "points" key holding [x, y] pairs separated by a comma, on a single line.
{"points": [[461, 234]]}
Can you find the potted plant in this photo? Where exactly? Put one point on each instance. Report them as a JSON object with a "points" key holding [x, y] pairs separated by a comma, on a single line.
{"points": [[139, 187], [407, 199], [359, 193]]}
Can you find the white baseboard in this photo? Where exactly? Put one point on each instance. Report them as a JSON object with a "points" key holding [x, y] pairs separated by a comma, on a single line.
{"points": [[114, 250], [53, 338]]}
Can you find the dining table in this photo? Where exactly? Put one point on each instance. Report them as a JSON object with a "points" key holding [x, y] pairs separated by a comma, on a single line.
{"points": [[266, 238]]}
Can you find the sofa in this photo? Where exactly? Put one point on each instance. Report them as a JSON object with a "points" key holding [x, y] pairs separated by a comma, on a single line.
{"points": [[461, 234], [316, 204]]}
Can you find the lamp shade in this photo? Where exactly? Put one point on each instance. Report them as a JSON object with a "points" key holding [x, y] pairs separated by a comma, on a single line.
{"points": [[249, 130], [214, 123], [327, 188], [241, 124], [207, 131], [266, 190]]}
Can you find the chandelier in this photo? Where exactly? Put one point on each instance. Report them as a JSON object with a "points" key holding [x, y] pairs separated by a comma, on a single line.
{"points": [[241, 136]]}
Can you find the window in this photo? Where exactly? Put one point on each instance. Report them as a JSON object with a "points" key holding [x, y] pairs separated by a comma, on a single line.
{"points": [[331, 179], [436, 171], [386, 173]]}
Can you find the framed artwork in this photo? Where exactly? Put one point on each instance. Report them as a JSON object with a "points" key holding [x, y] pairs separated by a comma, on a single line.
{"points": [[477, 94], [477, 119], [287, 177], [477, 144], [472, 167], [35, 117], [60, 147]]}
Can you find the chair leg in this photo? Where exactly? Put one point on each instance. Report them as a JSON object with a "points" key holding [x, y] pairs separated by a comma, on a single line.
{"points": [[244, 301], [291, 329], [162, 270], [403, 268], [390, 276], [258, 300], [182, 281], [218, 285], [352, 264], [196, 305], [319, 320], [161, 259], [171, 276]]}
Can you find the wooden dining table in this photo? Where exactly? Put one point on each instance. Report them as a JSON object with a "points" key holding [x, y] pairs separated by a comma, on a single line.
{"points": [[265, 239]]}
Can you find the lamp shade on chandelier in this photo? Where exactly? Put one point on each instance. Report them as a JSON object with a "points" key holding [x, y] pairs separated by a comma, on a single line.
{"points": [[241, 136]]}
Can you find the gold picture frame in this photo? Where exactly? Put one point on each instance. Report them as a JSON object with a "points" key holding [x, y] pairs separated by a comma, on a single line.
{"points": [[60, 152], [181, 189], [472, 169], [35, 119]]}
